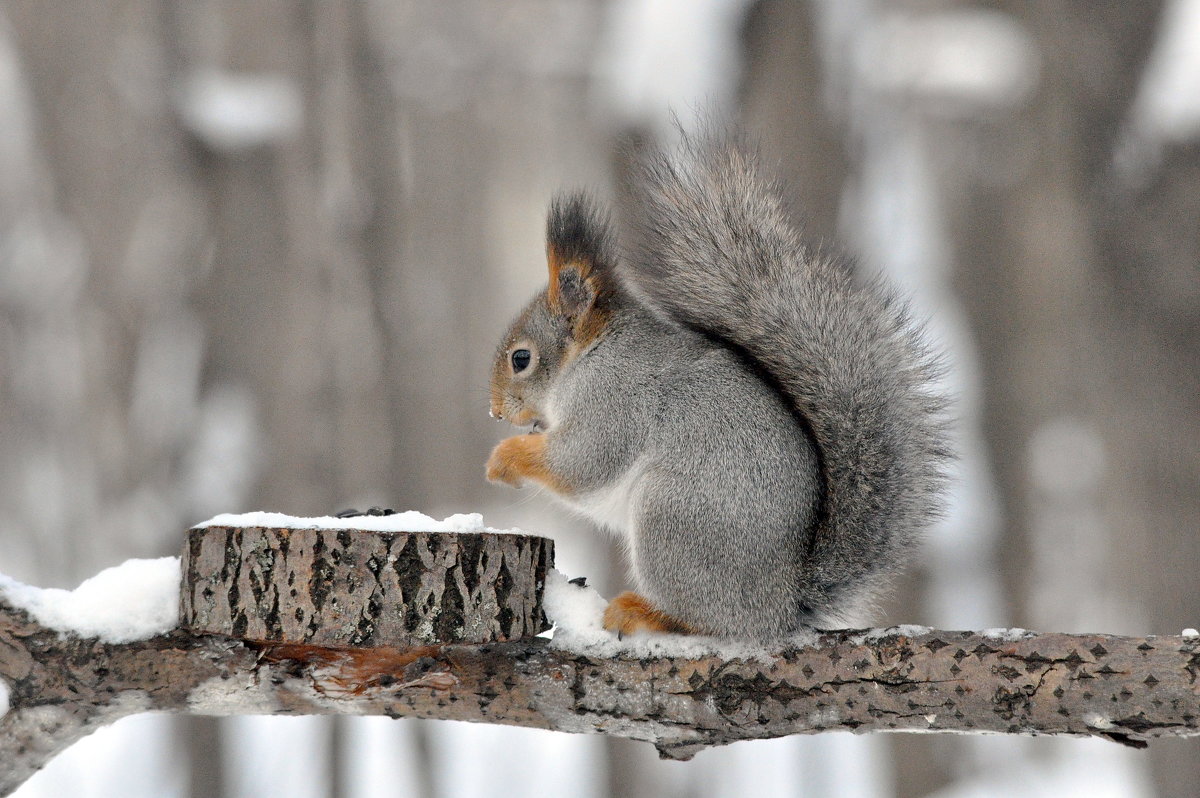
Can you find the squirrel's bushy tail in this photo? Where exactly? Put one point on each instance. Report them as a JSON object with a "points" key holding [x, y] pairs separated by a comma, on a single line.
{"points": [[713, 250]]}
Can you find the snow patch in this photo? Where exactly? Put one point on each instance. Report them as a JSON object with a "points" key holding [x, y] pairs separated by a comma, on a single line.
{"points": [[410, 521], [1012, 635], [1166, 110], [1097, 721], [578, 616], [868, 636], [658, 55], [971, 57], [827, 716], [904, 630], [240, 694], [1190, 632], [1167, 107], [1093, 768], [132, 601], [576, 612], [234, 112], [3, 698]]}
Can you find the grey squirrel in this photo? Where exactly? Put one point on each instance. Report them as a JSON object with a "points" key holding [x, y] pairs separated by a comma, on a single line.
{"points": [[762, 431]]}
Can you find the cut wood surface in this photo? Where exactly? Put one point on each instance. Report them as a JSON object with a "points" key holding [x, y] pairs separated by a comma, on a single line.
{"points": [[350, 587]]}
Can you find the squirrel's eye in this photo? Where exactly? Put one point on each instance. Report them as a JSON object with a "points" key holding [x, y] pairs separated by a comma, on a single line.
{"points": [[521, 359]]}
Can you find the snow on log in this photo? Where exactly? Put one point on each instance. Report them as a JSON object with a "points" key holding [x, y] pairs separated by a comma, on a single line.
{"points": [[363, 588]]}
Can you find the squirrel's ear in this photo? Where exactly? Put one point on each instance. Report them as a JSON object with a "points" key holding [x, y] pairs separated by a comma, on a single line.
{"points": [[580, 253]]}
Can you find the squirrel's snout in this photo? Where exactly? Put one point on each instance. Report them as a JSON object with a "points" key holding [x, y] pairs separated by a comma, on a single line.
{"points": [[518, 417]]}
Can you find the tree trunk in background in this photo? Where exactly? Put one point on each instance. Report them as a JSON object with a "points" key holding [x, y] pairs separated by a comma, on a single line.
{"points": [[206, 774], [1082, 289], [103, 246], [110, 407], [784, 104], [1148, 245], [1032, 275], [285, 308]]}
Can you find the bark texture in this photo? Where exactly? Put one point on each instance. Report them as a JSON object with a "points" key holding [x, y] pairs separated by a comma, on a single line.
{"points": [[1125, 689], [349, 587]]}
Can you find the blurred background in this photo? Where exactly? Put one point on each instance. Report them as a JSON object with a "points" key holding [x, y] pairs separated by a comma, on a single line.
{"points": [[258, 255]]}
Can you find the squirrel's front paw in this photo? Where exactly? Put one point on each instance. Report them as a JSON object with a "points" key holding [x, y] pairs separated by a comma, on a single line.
{"points": [[502, 465], [630, 612], [521, 459]]}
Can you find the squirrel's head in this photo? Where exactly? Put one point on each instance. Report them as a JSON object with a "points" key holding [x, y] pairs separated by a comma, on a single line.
{"points": [[565, 319]]}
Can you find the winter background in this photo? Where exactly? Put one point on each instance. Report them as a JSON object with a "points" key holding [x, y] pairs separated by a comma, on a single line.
{"points": [[257, 256]]}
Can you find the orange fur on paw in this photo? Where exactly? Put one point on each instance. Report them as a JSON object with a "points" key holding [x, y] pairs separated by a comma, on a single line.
{"points": [[521, 459], [630, 613]]}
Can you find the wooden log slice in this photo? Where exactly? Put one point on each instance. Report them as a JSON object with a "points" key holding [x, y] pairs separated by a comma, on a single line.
{"points": [[357, 588]]}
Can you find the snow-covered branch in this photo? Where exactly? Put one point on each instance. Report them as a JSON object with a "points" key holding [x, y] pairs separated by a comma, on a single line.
{"points": [[62, 676]]}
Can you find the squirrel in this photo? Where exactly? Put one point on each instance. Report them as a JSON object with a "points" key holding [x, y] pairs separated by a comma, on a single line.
{"points": [[764, 433]]}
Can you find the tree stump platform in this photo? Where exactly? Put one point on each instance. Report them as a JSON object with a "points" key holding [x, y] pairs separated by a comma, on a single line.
{"points": [[356, 588]]}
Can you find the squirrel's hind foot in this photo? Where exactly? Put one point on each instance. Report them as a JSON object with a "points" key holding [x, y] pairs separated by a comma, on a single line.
{"points": [[630, 613]]}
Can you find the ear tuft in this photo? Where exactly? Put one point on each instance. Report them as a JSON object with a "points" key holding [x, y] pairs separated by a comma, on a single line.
{"points": [[581, 251], [577, 228]]}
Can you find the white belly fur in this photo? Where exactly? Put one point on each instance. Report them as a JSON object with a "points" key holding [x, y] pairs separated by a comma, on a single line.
{"points": [[611, 506]]}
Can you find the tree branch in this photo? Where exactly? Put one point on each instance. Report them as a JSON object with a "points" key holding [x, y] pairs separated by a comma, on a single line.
{"points": [[1125, 689]]}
